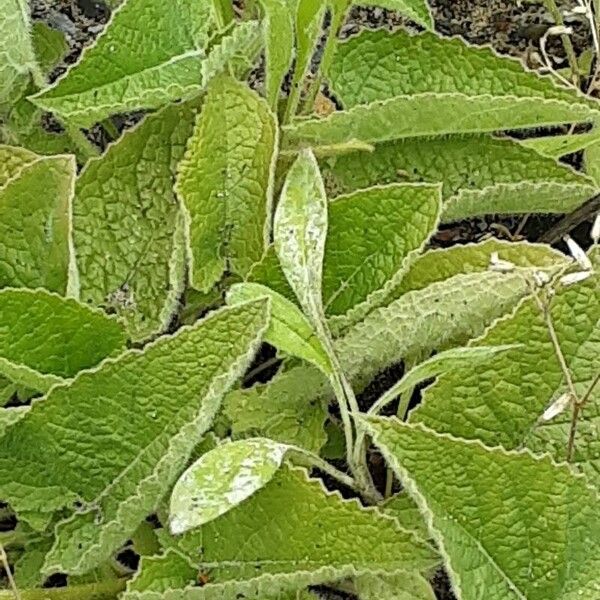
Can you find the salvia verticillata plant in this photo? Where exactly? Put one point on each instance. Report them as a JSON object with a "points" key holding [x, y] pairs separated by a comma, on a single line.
{"points": [[189, 318]]}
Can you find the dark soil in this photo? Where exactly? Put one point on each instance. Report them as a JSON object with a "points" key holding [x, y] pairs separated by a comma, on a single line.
{"points": [[508, 27]]}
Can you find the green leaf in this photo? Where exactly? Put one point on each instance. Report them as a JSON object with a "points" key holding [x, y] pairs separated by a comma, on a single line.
{"points": [[373, 236], [416, 10], [408, 586], [289, 330], [378, 76], [300, 231], [433, 114], [10, 416], [50, 46], [480, 174], [440, 264], [12, 161], [323, 538], [291, 409], [444, 314], [279, 35], [556, 146], [225, 182], [132, 424], [509, 525], [35, 222], [17, 59], [127, 226], [308, 26], [377, 65], [442, 362], [501, 401], [405, 510], [148, 55], [221, 479], [46, 338]]}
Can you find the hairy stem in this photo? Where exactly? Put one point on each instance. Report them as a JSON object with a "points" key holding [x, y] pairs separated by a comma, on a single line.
{"points": [[223, 12], [577, 408], [13, 586]]}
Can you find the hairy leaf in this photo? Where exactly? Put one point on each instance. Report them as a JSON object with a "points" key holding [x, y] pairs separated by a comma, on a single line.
{"points": [[501, 401], [225, 182], [148, 55], [509, 525], [115, 438], [378, 76], [17, 59], [46, 338], [35, 221], [127, 227], [279, 34], [377, 65], [322, 538], [10, 416], [434, 113], [373, 236], [480, 174], [289, 330], [440, 264], [221, 479], [444, 314], [12, 160], [291, 409], [49, 44], [407, 586], [300, 231], [556, 146]]}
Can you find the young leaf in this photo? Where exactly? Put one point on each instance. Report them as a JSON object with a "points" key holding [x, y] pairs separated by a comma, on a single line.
{"points": [[291, 409], [46, 338], [279, 34], [480, 174], [148, 55], [35, 221], [325, 538], [501, 401], [127, 226], [300, 231], [132, 424], [17, 59], [289, 330], [509, 525], [373, 235], [221, 479], [225, 182]]}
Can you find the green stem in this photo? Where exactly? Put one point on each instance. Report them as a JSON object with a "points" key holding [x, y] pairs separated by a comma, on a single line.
{"points": [[110, 128], [566, 40], [338, 17], [102, 590]]}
